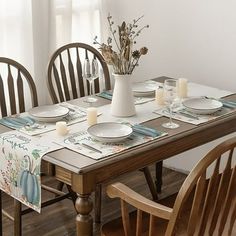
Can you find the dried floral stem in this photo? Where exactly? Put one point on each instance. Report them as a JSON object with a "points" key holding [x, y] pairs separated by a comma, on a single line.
{"points": [[112, 31], [125, 59]]}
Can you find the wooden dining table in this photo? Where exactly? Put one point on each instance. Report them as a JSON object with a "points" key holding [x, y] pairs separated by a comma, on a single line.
{"points": [[84, 173]]}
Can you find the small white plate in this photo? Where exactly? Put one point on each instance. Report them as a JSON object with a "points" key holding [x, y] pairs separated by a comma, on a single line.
{"points": [[110, 131], [143, 89], [49, 113], [202, 105]]}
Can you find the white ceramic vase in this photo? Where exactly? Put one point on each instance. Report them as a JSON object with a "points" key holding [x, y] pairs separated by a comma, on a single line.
{"points": [[122, 104]]}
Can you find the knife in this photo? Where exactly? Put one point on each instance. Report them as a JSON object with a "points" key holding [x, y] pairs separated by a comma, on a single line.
{"points": [[89, 147], [186, 114]]}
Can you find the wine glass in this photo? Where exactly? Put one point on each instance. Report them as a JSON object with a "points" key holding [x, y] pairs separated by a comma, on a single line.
{"points": [[90, 73], [170, 96]]}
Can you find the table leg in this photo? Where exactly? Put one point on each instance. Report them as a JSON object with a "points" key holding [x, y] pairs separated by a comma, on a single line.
{"points": [[84, 221], [98, 203], [17, 218], [159, 166], [0, 212], [150, 183]]}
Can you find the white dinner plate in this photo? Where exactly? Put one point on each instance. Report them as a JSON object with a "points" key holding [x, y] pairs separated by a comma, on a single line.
{"points": [[202, 105], [49, 113], [144, 88], [110, 131]]}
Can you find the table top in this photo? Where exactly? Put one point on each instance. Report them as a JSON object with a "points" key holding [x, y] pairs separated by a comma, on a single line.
{"points": [[185, 137]]}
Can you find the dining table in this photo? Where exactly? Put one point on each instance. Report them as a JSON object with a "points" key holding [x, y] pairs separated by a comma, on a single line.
{"points": [[84, 174]]}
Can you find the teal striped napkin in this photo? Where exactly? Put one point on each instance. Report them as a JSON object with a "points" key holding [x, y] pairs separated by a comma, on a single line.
{"points": [[106, 95], [141, 129], [228, 104], [16, 122]]}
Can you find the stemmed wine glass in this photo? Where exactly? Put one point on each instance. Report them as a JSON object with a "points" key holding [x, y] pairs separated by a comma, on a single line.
{"points": [[90, 73], [170, 95]]}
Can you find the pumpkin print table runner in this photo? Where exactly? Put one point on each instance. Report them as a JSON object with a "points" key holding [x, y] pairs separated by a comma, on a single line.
{"points": [[20, 166]]}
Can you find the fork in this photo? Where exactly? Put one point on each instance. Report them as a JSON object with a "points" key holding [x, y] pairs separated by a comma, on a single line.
{"points": [[89, 147]]}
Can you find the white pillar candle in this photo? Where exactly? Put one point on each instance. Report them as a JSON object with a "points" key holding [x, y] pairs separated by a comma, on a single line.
{"points": [[92, 116], [61, 128], [159, 97], [182, 88]]}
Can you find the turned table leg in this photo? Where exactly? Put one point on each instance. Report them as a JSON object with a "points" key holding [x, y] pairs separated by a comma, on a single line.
{"points": [[84, 221]]}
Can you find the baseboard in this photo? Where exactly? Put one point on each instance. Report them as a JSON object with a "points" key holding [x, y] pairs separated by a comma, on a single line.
{"points": [[176, 169]]}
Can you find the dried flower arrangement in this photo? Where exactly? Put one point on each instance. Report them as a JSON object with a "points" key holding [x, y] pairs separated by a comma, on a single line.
{"points": [[125, 59]]}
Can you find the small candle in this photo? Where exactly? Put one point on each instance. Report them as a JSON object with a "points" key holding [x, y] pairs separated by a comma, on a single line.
{"points": [[159, 96], [92, 116], [61, 128], [182, 88]]}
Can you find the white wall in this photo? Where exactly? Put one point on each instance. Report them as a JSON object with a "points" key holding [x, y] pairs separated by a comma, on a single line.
{"points": [[193, 39]]}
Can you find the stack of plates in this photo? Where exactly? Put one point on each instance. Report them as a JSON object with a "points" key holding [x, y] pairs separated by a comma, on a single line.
{"points": [[50, 113], [143, 89], [110, 131], [202, 105]]}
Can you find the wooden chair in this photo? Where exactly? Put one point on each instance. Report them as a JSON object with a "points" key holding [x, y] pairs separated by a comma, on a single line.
{"points": [[205, 204], [14, 75], [65, 73], [21, 75], [66, 82]]}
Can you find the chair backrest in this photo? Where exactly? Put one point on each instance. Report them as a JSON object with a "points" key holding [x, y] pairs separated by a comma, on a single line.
{"points": [[65, 72], [14, 79], [213, 196], [205, 204]]}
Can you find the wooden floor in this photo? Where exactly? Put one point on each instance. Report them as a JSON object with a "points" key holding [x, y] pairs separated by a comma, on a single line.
{"points": [[59, 219]]}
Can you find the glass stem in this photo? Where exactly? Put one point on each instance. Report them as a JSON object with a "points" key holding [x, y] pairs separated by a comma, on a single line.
{"points": [[171, 114], [90, 87]]}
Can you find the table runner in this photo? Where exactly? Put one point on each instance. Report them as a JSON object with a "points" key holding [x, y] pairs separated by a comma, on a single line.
{"points": [[83, 143], [198, 90], [20, 166], [137, 99], [26, 124], [182, 115]]}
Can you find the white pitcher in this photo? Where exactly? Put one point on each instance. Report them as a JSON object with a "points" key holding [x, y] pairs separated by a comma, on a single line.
{"points": [[122, 104]]}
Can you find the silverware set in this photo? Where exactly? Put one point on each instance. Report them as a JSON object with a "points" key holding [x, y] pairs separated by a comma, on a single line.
{"points": [[22, 122], [183, 113]]}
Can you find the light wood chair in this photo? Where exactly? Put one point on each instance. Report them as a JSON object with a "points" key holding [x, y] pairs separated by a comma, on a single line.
{"points": [[15, 81], [205, 204], [66, 82], [65, 72]]}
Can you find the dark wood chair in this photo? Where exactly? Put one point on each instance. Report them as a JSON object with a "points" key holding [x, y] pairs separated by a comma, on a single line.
{"points": [[205, 204], [16, 98], [65, 73], [15, 81], [66, 82]]}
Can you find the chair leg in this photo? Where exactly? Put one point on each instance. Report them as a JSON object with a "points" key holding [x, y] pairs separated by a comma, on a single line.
{"points": [[17, 218], [72, 194], [159, 166], [98, 203], [150, 183], [0, 212], [60, 186]]}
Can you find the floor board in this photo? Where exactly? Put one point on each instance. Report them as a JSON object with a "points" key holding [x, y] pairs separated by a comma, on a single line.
{"points": [[59, 219]]}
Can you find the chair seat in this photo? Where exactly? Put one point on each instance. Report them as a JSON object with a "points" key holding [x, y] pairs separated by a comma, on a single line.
{"points": [[115, 227]]}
